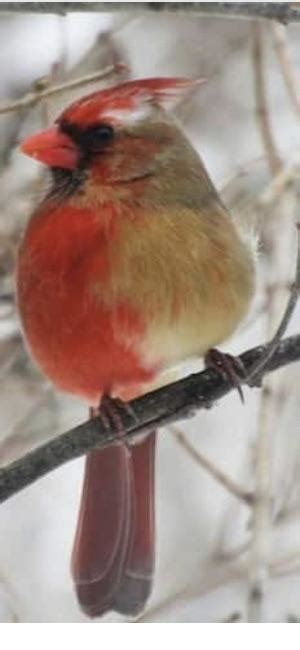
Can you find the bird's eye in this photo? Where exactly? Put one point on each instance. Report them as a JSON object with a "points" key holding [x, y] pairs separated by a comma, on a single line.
{"points": [[92, 139], [96, 137]]}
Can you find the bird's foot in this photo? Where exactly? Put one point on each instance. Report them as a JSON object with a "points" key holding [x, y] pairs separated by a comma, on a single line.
{"points": [[229, 367], [111, 412]]}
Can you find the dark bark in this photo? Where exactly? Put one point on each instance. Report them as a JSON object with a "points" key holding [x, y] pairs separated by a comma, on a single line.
{"points": [[168, 404], [280, 11]]}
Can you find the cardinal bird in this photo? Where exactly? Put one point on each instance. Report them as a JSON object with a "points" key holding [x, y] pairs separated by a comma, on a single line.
{"points": [[130, 265]]}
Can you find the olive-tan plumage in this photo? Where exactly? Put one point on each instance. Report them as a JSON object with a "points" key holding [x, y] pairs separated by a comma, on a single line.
{"points": [[131, 265]]}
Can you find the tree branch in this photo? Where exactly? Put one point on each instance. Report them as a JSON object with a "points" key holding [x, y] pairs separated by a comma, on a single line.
{"points": [[290, 77], [283, 12], [30, 99], [261, 104], [223, 479], [254, 375], [168, 404]]}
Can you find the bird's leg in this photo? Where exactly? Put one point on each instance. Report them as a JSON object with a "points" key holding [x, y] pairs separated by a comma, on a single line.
{"points": [[227, 366]]}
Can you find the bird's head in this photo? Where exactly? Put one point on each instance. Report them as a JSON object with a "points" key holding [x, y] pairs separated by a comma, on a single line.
{"points": [[116, 134]]}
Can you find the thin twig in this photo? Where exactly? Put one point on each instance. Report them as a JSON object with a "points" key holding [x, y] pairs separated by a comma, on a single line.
{"points": [[292, 82], [281, 11], [226, 481], [280, 242], [286, 564], [285, 177], [272, 154], [12, 597], [216, 576], [259, 550], [261, 536], [255, 373], [30, 99], [159, 408]]}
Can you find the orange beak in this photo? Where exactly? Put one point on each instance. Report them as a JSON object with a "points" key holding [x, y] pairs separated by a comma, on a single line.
{"points": [[52, 148]]}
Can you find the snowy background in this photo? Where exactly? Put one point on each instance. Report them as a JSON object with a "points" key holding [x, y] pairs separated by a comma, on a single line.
{"points": [[212, 547]]}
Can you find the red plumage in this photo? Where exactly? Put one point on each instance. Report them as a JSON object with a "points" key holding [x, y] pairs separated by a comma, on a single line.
{"points": [[60, 312], [113, 555], [130, 265]]}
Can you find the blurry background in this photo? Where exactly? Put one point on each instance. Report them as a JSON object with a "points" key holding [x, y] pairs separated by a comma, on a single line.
{"points": [[214, 551]]}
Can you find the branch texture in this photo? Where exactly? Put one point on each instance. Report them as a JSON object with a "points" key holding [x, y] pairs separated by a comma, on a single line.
{"points": [[168, 404], [30, 99], [283, 12]]}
